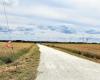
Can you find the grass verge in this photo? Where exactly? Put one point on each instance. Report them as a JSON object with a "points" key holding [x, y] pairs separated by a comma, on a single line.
{"points": [[24, 68], [12, 57], [83, 54]]}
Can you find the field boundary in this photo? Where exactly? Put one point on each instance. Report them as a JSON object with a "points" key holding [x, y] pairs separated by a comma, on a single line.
{"points": [[86, 55], [12, 57], [24, 68]]}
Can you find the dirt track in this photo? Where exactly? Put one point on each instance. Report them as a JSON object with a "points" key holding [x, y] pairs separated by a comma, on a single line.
{"points": [[57, 65]]}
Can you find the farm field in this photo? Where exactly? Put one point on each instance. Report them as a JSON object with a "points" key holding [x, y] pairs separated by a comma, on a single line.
{"points": [[19, 63], [89, 51]]}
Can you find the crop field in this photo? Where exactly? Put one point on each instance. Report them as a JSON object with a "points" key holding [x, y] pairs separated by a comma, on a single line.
{"points": [[91, 51], [19, 62], [5, 51], [7, 54]]}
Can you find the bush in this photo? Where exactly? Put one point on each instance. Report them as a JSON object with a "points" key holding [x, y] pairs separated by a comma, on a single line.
{"points": [[6, 60]]}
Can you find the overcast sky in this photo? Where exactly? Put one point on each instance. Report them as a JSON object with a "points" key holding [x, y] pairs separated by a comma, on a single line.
{"points": [[60, 20]]}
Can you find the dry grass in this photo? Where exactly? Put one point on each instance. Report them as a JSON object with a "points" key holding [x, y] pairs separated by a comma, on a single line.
{"points": [[8, 55], [4, 51], [24, 67], [91, 51]]}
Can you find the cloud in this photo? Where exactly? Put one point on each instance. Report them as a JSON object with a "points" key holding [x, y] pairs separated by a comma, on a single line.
{"points": [[37, 33], [60, 14], [9, 2], [57, 14], [93, 31], [53, 19], [79, 4]]}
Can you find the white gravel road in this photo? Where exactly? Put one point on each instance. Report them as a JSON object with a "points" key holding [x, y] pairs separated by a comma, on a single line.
{"points": [[57, 65]]}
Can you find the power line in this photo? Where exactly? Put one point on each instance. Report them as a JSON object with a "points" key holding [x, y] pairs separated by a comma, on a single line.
{"points": [[6, 17]]}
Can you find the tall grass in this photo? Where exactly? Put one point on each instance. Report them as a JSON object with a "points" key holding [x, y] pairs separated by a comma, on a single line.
{"points": [[8, 55], [24, 68]]}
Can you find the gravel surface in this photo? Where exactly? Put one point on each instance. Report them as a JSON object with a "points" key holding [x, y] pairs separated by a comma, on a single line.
{"points": [[58, 65]]}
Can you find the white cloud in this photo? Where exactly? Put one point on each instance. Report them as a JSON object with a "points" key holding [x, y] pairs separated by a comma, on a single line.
{"points": [[86, 3], [9, 3], [49, 12], [81, 15], [56, 13]]}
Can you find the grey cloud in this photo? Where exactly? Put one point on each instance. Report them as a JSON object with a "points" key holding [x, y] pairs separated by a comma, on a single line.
{"points": [[93, 32]]}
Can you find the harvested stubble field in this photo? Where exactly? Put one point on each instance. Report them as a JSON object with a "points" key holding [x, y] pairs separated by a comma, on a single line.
{"points": [[89, 51], [20, 63]]}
